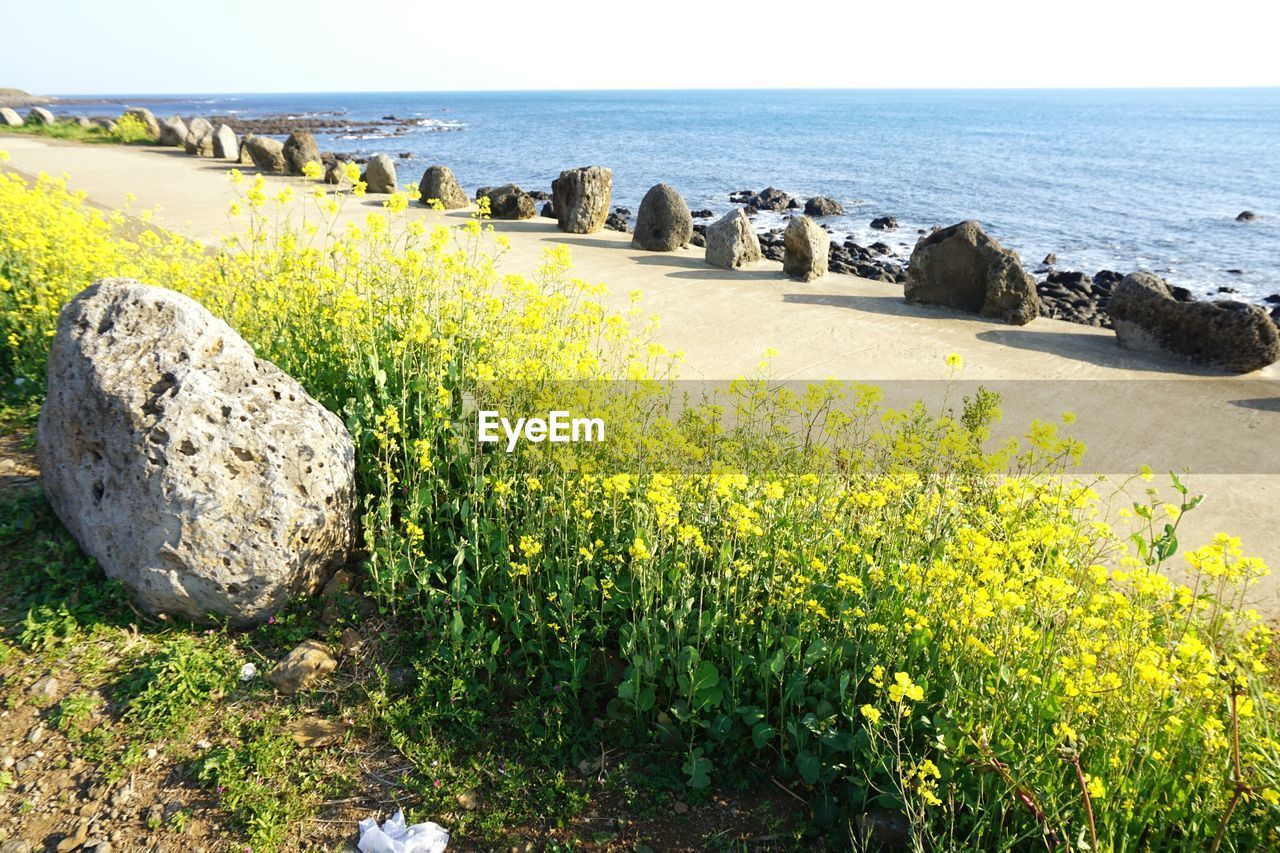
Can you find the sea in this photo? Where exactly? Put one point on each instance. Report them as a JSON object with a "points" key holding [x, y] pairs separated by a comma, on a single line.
{"points": [[1120, 179]]}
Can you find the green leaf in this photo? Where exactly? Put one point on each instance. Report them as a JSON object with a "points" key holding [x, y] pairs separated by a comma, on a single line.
{"points": [[808, 766], [761, 734]]}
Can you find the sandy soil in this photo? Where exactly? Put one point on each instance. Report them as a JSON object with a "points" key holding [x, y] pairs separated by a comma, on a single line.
{"points": [[1133, 408]]}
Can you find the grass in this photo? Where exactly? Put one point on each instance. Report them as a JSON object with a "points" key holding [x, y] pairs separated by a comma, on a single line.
{"points": [[128, 131], [868, 609]]}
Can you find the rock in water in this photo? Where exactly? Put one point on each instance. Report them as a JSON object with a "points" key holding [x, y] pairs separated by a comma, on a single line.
{"points": [[731, 241], [510, 202], [1235, 336], [1246, 216], [266, 153], [225, 143], [961, 267], [300, 149], [9, 117], [663, 223], [173, 132], [771, 198], [884, 223], [380, 174], [199, 139], [807, 248], [580, 198], [202, 477], [145, 116], [438, 182], [821, 205], [39, 115]]}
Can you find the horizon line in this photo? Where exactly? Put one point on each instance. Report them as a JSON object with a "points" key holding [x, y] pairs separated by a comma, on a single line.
{"points": [[623, 89]]}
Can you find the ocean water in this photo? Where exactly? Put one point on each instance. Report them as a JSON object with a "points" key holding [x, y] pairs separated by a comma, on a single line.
{"points": [[1105, 179]]}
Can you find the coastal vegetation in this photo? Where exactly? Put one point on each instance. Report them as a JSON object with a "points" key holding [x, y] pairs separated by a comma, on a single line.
{"points": [[125, 130], [930, 642]]}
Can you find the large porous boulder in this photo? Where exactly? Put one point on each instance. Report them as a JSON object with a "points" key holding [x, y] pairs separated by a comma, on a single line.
{"points": [[439, 183], [147, 118], [173, 132], [39, 115], [821, 205], [380, 174], [663, 223], [9, 117], [265, 153], [199, 140], [1235, 336], [806, 249], [580, 198], [962, 267], [200, 476], [225, 143], [300, 149], [732, 242], [510, 202]]}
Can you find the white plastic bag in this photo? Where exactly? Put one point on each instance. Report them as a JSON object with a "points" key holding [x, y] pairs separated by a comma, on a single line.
{"points": [[395, 837]]}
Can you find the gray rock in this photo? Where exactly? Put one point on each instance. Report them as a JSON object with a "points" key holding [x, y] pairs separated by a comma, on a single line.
{"points": [[266, 153], [884, 223], [300, 149], [173, 132], [580, 198], [336, 173], [731, 241], [807, 248], [10, 118], [225, 143], [773, 199], [45, 690], [821, 205], [1246, 216], [663, 223], [1235, 336], [39, 115], [199, 138], [84, 121], [510, 202], [145, 116], [380, 174], [200, 476], [439, 183], [962, 267]]}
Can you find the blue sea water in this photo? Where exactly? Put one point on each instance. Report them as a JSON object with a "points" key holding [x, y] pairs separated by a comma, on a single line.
{"points": [[1104, 179]]}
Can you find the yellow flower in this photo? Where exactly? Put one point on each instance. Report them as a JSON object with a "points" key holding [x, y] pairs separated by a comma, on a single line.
{"points": [[871, 713], [311, 170], [954, 361]]}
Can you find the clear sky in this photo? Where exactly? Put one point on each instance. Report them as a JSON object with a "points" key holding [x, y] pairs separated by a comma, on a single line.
{"points": [[171, 46]]}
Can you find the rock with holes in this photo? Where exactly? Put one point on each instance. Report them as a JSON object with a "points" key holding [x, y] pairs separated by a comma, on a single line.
{"points": [[1235, 336], [581, 198], [664, 223], [731, 242], [807, 249], [299, 150], [200, 476], [380, 174], [962, 267]]}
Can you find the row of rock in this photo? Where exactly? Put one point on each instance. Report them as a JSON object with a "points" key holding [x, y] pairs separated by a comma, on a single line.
{"points": [[959, 267]]}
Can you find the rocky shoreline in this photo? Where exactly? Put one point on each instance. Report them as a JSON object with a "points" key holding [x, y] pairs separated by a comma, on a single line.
{"points": [[1070, 295]]}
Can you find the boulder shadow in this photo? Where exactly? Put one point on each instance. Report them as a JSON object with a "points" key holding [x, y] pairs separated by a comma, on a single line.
{"points": [[1084, 347], [888, 305], [706, 272], [1260, 404]]}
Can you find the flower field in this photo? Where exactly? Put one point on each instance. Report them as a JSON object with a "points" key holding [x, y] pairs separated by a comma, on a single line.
{"points": [[872, 606]]}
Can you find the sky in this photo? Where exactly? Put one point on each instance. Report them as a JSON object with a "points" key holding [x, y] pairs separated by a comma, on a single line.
{"points": [[233, 46]]}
